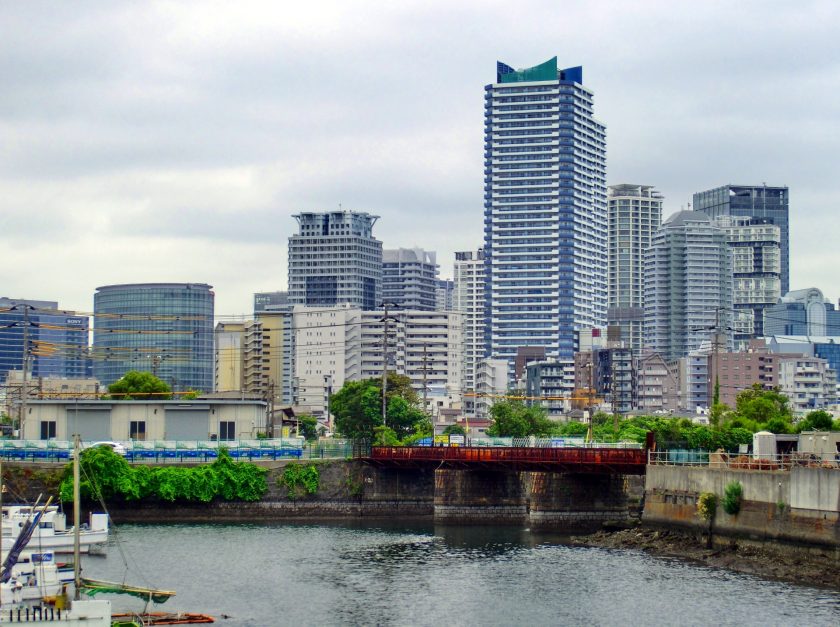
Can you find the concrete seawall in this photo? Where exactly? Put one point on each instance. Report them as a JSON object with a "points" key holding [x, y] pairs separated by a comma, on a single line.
{"points": [[797, 506], [351, 489]]}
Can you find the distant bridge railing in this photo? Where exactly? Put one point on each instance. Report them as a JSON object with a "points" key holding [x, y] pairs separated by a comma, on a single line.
{"points": [[564, 459]]}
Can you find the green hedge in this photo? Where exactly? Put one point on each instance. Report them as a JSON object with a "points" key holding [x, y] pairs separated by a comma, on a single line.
{"points": [[116, 479]]}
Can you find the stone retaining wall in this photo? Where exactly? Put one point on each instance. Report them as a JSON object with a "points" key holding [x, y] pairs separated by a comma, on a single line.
{"points": [[799, 506]]}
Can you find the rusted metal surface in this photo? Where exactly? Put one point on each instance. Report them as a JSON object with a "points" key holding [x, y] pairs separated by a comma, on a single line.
{"points": [[580, 460]]}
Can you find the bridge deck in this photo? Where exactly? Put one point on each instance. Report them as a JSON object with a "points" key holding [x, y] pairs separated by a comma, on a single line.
{"points": [[578, 460]]}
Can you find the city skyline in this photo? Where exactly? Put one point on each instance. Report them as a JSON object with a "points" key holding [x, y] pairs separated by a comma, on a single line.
{"points": [[146, 143]]}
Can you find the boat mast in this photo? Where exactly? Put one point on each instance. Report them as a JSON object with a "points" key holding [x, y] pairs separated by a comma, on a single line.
{"points": [[77, 561]]}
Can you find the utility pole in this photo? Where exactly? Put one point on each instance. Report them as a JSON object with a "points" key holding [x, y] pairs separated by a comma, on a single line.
{"points": [[327, 394], [24, 390], [384, 364], [269, 423], [425, 386], [591, 403], [385, 320]]}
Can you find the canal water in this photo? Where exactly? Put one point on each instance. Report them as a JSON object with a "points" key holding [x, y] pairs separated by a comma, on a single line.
{"points": [[387, 574]]}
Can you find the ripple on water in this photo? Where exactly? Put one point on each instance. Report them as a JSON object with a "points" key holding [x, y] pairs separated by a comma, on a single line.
{"points": [[410, 575]]}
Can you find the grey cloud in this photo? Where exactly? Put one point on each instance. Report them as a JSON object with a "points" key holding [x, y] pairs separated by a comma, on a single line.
{"points": [[204, 126]]}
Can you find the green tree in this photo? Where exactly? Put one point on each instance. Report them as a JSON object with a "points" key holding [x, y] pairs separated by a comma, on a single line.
{"points": [[137, 385], [403, 418], [513, 418], [760, 405], [819, 420], [308, 427], [385, 436], [357, 407], [454, 430], [717, 414]]}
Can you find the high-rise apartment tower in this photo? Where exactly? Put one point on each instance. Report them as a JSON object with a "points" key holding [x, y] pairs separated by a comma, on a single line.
{"points": [[545, 211], [688, 285], [635, 215], [335, 260], [469, 300]]}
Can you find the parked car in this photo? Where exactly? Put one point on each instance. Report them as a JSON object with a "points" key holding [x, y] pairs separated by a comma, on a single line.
{"points": [[118, 448]]}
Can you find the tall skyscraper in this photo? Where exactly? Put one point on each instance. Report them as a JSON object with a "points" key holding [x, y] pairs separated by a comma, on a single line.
{"points": [[162, 328], [334, 259], [688, 285], [409, 278], [469, 301], [545, 211], [754, 201], [56, 342], [756, 272], [635, 214]]}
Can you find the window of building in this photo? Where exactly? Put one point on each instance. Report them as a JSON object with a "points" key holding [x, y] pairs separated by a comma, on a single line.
{"points": [[137, 429], [227, 430], [47, 429]]}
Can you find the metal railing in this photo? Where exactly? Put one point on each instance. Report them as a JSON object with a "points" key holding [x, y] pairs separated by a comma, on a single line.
{"points": [[530, 454], [740, 461], [167, 451], [534, 442]]}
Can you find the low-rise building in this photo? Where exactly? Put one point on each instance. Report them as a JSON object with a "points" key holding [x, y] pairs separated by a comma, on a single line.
{"points": [[175, 420], [547, 381], [491, 382], [656, 387]]}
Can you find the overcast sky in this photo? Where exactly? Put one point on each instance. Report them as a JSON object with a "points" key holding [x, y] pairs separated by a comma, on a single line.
{"points": [[173, 141]]}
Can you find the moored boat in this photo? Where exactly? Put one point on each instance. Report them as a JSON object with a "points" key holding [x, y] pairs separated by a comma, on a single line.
{"points": [[51, 532]]}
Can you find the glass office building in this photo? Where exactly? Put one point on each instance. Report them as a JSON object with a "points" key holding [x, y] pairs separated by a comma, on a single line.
{"points": [[162, 328], [545, 211], [57, 342], [754, 201]]}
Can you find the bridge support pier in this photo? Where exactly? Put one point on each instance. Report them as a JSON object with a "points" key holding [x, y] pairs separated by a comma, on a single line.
{"points": [[559, 501], [479, 496], [578, 502]]}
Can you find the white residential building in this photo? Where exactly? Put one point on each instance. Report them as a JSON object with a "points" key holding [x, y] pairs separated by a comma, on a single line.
{"points": [[409, 278], [327, 352], [688, 285], [469, 301], [491, 382], [425, 346], [808, 382], [635, 214]]}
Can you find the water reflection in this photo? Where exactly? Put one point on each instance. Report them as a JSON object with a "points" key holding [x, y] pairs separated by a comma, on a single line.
{"points": [[415, 573]]}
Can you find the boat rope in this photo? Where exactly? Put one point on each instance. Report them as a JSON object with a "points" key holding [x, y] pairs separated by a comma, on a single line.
{"points": [[113, 528]]}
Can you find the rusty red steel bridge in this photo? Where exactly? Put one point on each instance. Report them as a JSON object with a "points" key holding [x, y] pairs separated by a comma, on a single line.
{"points": [[582, 460]]}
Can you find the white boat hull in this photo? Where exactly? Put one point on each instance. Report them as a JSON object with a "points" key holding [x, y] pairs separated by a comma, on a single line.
{"points": [[85, 613]]}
